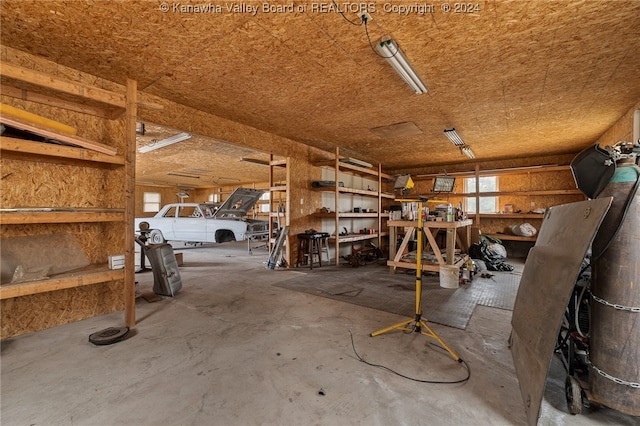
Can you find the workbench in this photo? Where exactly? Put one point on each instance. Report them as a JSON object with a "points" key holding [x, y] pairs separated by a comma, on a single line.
{"points": [[457, 232]]}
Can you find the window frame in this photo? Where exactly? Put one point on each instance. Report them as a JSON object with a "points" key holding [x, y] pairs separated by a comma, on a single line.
{"points": [[470, 198], [151, 206]]}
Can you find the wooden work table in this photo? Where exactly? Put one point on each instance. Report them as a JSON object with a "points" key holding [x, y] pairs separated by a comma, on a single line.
{"points": [[454, 230]]}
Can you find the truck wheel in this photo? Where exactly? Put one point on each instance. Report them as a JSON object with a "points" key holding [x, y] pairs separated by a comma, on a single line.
{"points": [[155, 237]]}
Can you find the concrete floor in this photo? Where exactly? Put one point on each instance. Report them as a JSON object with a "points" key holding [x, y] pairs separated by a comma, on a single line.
{"points": [[232, 349]]}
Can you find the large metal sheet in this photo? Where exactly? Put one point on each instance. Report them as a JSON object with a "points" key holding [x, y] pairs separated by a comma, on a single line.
{"points": [[549, 276]]}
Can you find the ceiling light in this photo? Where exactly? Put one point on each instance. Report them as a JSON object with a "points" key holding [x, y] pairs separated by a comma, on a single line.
{"points": [[466, 150], [391, 52], [454, 137], [165, 142]]}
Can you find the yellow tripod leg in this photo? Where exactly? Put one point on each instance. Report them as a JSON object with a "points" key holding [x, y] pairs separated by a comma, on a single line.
{"points": [[432, 334], [400, 326]]}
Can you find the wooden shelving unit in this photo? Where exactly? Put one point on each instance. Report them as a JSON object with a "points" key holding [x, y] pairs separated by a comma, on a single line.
{"points": [[118, 164], [544, 196], [339, 191], [279, 202]]}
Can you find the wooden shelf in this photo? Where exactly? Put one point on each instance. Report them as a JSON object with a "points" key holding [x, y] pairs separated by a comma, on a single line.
{"points": [[526, 193], [350, 215], [511, 215], [500, 172], [279, 188], [356, 170], [364, 192], [30, 150], [352, 238], [91, 275], [279, 163], [32, 216]]}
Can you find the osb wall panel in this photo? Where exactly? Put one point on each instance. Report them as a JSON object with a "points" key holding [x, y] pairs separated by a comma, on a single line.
{"points": [[621, 131], [43, 184], [540, 181], [98, 240], [44, 310], [39, 184]]}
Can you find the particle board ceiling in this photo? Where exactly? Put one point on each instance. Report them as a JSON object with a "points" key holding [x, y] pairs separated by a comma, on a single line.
{"points": [[515, 78]]}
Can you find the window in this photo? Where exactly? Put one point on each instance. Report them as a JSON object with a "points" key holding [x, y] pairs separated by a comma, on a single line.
{"points": [[214, 198], [171, 212], [265, 207], [487, 184], [151, 202]]}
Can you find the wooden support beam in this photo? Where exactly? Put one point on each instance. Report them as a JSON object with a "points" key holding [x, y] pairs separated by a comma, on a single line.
{"points": [[129, 190]]}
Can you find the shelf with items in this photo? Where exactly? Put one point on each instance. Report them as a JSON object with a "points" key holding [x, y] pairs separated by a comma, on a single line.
{"points": [[346, 215], [279, 202], [82, 187], [342, 193], [527, 189]]}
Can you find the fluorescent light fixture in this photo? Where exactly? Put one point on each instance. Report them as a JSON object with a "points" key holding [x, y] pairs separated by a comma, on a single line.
{"points": [[391, 52], [454, 137], [166, 142], [466, 150]]}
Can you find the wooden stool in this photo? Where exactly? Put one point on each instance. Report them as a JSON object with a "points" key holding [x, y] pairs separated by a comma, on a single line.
{"points": [[310, 245]]}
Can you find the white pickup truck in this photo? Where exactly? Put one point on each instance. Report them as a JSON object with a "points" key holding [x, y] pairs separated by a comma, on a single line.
{"points": [[204, 222]]}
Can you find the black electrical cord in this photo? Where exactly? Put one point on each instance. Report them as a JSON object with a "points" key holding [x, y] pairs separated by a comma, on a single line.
{"points": [[347, 19], [366, 30], [363, 21], [412, 378]]}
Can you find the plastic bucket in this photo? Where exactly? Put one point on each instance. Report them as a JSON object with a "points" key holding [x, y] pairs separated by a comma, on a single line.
{"points": [[449, 276]]}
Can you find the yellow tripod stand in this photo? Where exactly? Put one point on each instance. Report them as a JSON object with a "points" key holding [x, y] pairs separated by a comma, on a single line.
{"points": [[418, 324]]}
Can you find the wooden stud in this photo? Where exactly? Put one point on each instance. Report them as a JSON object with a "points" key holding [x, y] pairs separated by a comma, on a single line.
{"points": [[129, 190]]}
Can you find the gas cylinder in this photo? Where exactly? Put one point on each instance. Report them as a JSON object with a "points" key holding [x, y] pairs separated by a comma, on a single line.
{"points": [[614, 344]]}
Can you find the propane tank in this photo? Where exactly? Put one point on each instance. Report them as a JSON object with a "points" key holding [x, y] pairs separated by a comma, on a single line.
{"points": [[614, 345]]}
